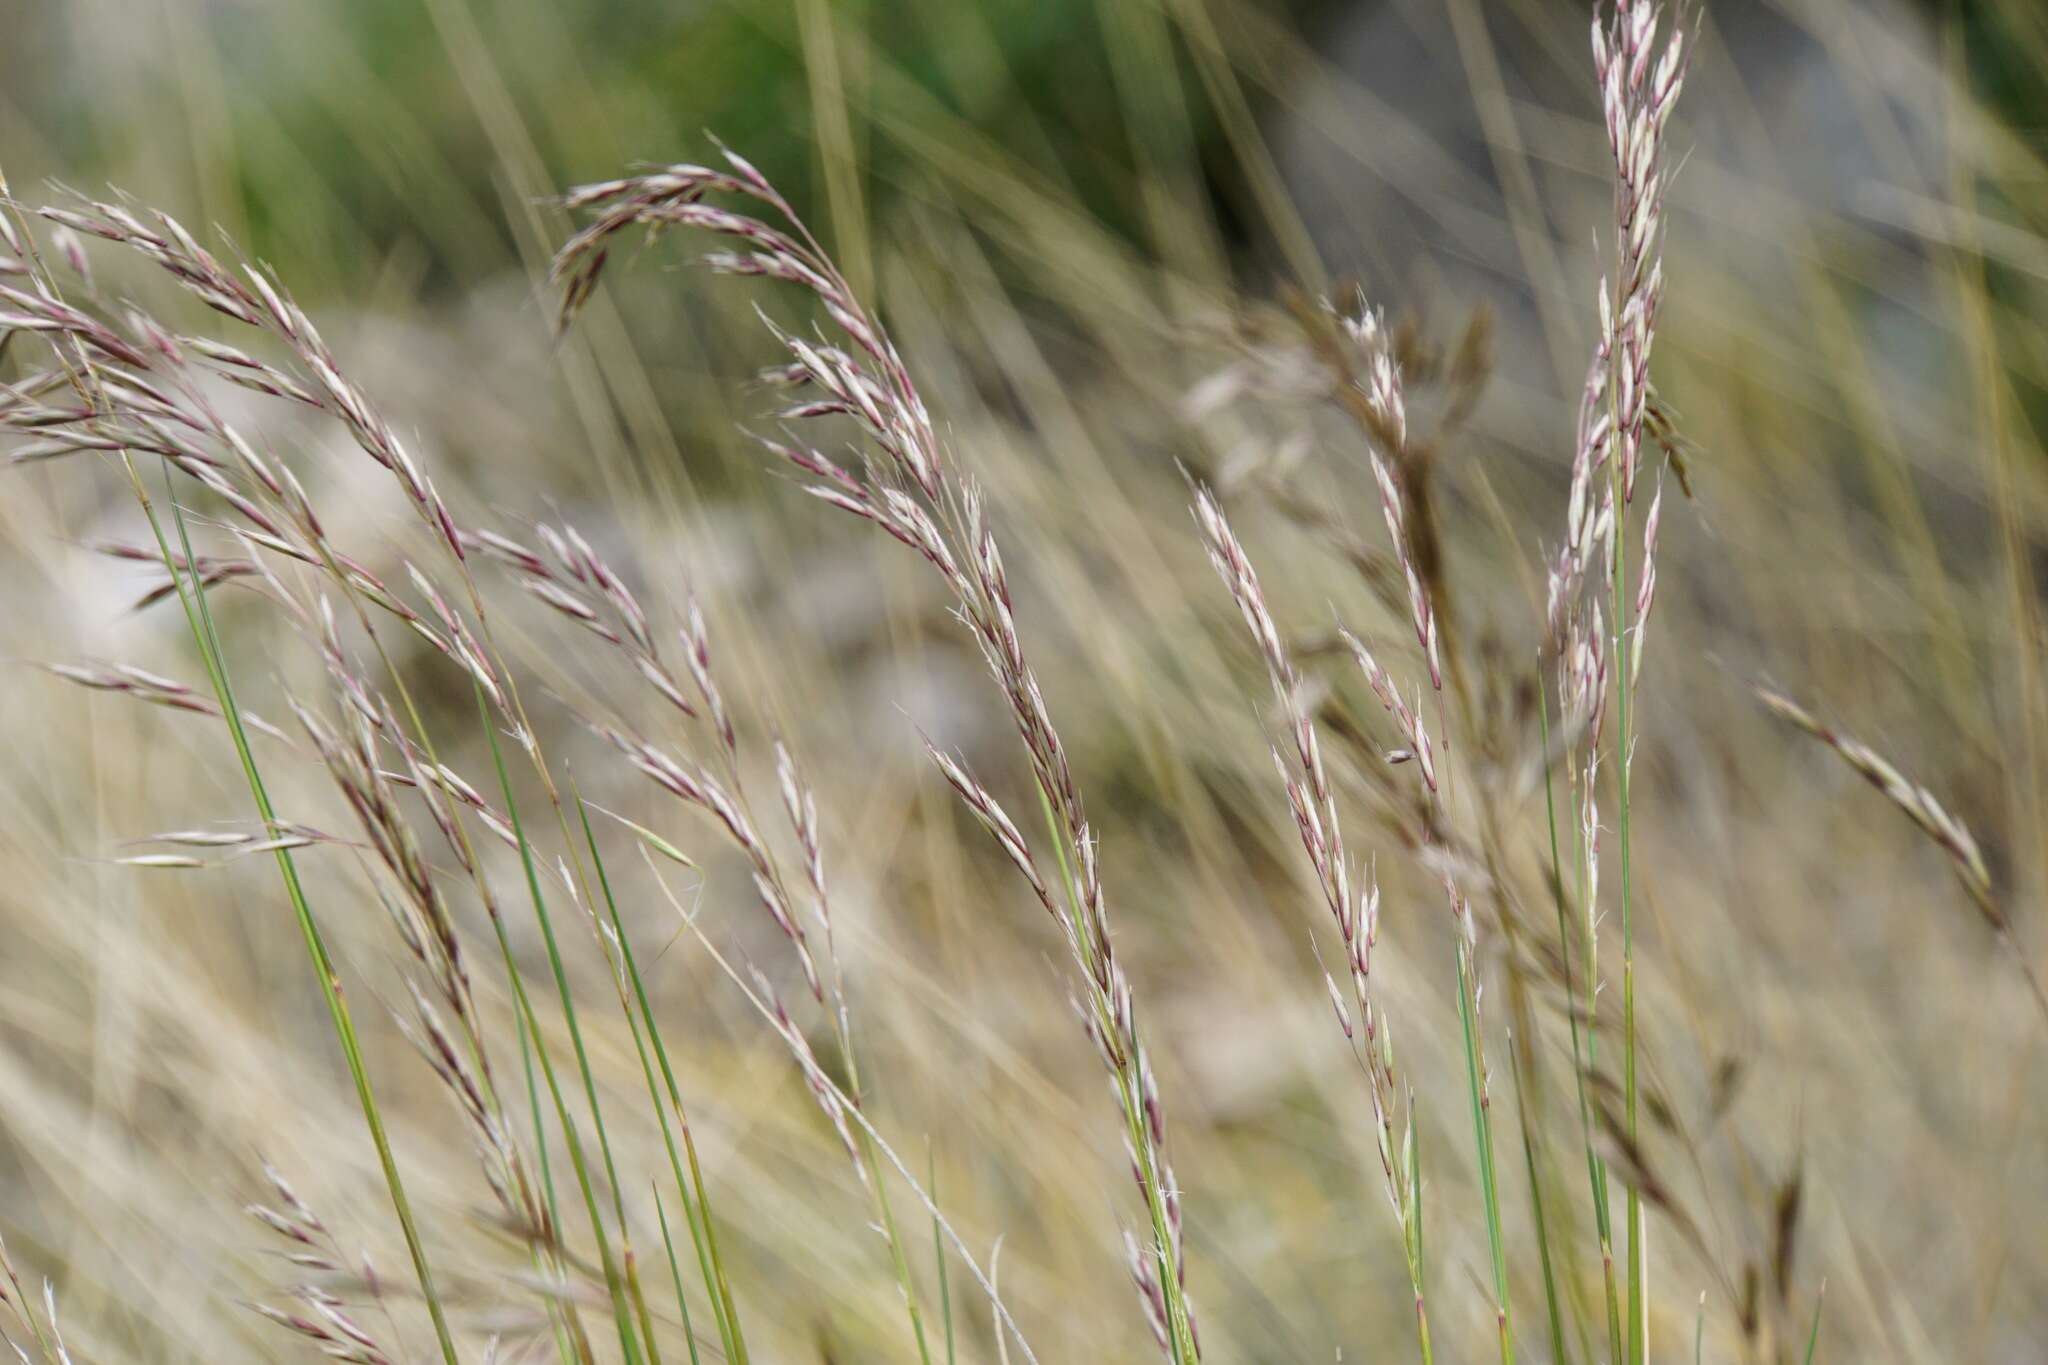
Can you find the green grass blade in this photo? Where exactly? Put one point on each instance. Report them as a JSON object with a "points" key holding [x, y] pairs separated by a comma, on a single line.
{"points": [[558, 1314], [675, 1274], [614, 1285], [1813, 1332], [199, 617], [713, 1272], [1557, 1351], [1411, 1152], [1638, 1308], [1582, 1051], [1482, 1134], [1180, 1335], [639, 1298]]}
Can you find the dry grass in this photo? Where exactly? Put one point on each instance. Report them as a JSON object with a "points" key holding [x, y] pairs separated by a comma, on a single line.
{"points": [[470, 739]]}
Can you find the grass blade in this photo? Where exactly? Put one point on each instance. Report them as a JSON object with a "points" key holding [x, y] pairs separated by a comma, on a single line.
{"points": [[199, 617], [715, 1280], [614, 1285]]}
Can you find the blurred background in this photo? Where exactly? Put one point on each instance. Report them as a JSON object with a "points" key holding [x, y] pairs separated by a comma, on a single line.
{"points": [[1073, 213]]}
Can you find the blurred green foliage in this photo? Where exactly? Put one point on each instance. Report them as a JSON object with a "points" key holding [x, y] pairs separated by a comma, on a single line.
{"points": [[336, 137]]}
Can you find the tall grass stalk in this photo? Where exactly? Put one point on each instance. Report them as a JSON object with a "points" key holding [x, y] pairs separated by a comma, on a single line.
{"points": [[1538, 1218], [199, 616], [1639, 86], [676, 1275], [192, 599], [910, 488], [1577, 1005], [622, 1315], [83, 375], [696, 1210]]}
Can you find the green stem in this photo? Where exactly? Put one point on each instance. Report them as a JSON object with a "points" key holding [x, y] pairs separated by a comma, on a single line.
{"points": [[199, 617], [1557, 1352], [1638, 1308], [556, 1314], [1180, 1332], [713, 1271], [682, 1299], [1596, 1169], [614, 1285], [1482, 1134], [1813, 1333], [1412, 1174]]}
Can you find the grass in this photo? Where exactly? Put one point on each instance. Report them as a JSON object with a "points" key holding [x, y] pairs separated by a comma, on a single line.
{"points": [[852, 930]]}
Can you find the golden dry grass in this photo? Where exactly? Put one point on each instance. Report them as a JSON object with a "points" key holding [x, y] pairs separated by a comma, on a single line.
{"points": [[1823, 1011]]}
